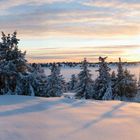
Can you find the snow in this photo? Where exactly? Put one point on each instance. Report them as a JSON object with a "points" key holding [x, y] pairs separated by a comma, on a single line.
{"points": [[34, 118]]}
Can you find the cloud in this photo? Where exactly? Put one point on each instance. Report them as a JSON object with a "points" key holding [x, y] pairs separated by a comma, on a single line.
{"points": [[117, 4], [69, 18], [6, 4], [79, 53]]}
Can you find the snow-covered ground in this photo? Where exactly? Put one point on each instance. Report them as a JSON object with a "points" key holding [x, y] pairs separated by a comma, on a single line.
{"points": [[68, 71], [33, 118]]}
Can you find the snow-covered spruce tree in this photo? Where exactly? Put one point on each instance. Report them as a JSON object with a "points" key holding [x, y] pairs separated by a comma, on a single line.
{"points": [[113, 80], [40, 79], [55, 82], [26, 86], [130, 85], [119, 85], [13, 66], [125, 86], [120, 70], [72, 83], [103, 83], [139, 83], [113, 75], [85, 87]]}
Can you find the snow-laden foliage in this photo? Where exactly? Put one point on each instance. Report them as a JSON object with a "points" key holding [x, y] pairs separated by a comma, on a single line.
{"points": [[139, 82], [20, 78], [55, 82], [85, 87], [103, 84], [113, 76], [40, 80], [73, 82], [14, 70], [126, 85], [108, 95]]}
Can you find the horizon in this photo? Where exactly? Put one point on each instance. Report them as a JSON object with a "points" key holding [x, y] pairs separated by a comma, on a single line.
{"points": [[62, 30], [92, 62]]}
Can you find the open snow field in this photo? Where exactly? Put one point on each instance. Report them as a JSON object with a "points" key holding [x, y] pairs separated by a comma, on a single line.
{"points": [[33, 118], [67, 71]]}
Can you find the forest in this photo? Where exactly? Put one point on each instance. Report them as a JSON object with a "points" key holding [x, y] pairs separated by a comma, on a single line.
{"points": [[18, 77]]}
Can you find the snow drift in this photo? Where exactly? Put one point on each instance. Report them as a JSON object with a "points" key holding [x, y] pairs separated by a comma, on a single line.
{"points": [[32, 118]]}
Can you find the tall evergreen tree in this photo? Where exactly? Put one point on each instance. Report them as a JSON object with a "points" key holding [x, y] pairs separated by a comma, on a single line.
{"points": [[55, 82], [113, 81], [73, 82], [120, 70], [125, 86], [13, 66], [40, 80], [139, 82], [84, 87], [113, 75], [130, 84], [103, 84]]}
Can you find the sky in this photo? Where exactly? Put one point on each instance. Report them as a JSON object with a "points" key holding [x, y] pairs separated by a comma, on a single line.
{"points": [[70, 30]]}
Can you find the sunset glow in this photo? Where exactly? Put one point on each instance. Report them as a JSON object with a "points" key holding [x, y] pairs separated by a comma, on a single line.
{"points": [[69, 30]]}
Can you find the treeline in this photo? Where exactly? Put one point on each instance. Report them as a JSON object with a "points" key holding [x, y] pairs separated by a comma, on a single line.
{"points": [[90, 64], [121, 85], [17, 77], [107, 86]]}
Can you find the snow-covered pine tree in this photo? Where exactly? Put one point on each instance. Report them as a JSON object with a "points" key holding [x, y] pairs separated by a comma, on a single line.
{"points": [[103, 83], [55, 82], [113, 80], [72, 83], [120, 70], [119, 80], [27, 84], [125, 86], [40, 80], [13, 65], [113, 75], [130, 84], [139, 83], [85, 88]]}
